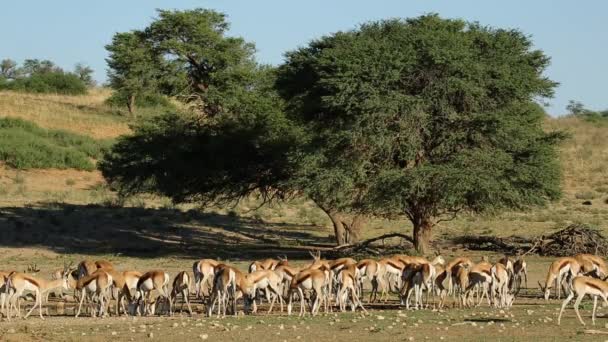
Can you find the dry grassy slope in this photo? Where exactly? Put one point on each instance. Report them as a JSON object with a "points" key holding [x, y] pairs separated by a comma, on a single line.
{"points": [[584, 159]]}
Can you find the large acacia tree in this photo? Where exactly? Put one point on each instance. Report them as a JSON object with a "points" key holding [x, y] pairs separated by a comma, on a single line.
{"points": [[426, 118]]}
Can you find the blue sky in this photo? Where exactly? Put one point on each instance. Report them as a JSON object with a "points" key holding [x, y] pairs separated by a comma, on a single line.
{"points": [[573, 33]]}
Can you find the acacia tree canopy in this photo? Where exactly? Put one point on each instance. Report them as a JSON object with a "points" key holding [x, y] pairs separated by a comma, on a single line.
{"points": [[435, 116]]}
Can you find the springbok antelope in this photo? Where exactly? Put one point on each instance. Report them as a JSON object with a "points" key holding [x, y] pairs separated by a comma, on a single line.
{"points": [[226, 281], [104, 264], [416, 278], [17, 283], [372, 270], [582, 286], [480, 278], [153, 280], [204, 271], [335, 267], [593, 265], [267, 280], [559, 270], [310, 279], [348, 286], [58, 274], [392, 271], [452, 269], [181, 285], [86, 267], [286, 273], [440, 289], [500, 286], [461, 278], [520, 272], [123, 283], [317, 262], [267, 264], [97, 283]]}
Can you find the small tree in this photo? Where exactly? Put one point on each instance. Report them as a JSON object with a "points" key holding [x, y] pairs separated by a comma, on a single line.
{"points": [[435, 116], [85, 73], [8, 69], [201, 64], [132, 67]]}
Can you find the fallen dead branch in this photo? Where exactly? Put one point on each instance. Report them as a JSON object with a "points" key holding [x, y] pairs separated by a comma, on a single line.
{"points": [[380, 245]]}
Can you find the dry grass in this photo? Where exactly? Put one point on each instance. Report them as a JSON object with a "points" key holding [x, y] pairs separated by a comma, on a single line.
{"points": [[84, 114]]}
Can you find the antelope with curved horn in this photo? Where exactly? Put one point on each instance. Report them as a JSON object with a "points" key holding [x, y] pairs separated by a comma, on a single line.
{"points": [[17, 283]]}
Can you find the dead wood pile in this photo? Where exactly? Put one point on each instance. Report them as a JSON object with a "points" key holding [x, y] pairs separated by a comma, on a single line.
{"points": [[574, 239]]}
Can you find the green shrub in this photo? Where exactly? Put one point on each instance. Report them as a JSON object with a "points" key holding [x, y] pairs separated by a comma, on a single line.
{"points": [[58, 82], [23, 145]]}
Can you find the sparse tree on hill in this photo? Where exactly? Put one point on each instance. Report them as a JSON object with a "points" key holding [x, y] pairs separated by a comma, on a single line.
{"points": [[85, 73], [132, 69], [8, 69]]}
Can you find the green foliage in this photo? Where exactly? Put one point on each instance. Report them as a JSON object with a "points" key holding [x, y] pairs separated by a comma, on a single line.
{"points": [[37, 76], [185, 54], [425, 117], [216, 161], [56, 82], [23, 145], [132, 68]]}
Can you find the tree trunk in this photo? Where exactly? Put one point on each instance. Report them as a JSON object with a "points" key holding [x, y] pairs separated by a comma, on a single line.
{"points": [[339, 230], [131, 104], [422, 234], [355, 228]]}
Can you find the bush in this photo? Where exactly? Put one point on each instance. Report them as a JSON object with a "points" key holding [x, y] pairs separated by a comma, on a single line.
{"points": [[23, 145], [58, 82]]}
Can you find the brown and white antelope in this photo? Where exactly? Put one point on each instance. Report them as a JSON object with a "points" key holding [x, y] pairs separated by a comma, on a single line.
{"points": [[559, 270], [582, 286], [374, 272], [123, 283], [452, 269], [348, 286], [181, 285], [153, 280], [227, 281], [98, 285], [267, 280], [17, 283], [592, 265], [480, 279], [315, 280], [500, 286], [203, 271], [520, 272]]}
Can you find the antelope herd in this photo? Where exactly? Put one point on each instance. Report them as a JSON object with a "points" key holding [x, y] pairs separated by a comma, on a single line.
{"points": [[320, 284]]}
